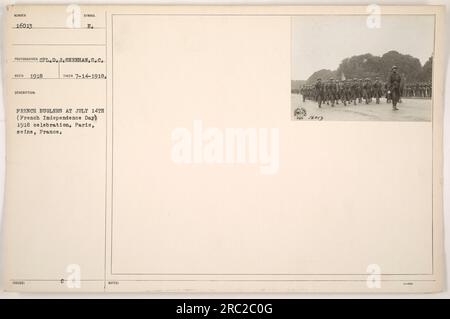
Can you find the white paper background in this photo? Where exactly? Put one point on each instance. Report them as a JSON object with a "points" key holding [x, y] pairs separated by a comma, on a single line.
{"points": [[445, 294]]}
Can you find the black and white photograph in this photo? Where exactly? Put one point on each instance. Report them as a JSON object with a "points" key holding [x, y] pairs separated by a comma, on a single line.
{"points": [[362, 68]]}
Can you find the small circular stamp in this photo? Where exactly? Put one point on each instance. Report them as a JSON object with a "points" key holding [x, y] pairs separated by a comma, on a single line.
{"points": [[299, 113]]}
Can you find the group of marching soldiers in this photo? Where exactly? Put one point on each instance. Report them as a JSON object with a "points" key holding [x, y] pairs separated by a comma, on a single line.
{"points": [[363, 90], [347, 91]]}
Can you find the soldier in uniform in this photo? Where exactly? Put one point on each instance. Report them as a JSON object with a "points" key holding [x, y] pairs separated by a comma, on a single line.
{"points": [[340, 88], [361, 84], [408, 90], [383, 88], [332, 91], [387, 92], [308, 92], [425, 90], [394, 82], [326, 92], [345, 90], [355, 90], [367, 88], [377, 91], [303, 92], [318, 87], [338, 91]]}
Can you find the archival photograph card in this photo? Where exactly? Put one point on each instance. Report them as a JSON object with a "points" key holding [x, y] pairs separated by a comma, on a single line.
{"points": [[223, 148]]}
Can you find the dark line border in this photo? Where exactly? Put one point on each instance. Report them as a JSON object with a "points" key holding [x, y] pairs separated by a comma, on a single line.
{"points": [[106, 146], [263, 15]]}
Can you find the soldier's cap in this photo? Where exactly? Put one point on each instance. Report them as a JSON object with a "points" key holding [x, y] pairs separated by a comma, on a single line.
{"points": [[394, 67]]}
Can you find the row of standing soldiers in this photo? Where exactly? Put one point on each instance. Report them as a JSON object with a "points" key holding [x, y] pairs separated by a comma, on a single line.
{"points": [[422, 90]]}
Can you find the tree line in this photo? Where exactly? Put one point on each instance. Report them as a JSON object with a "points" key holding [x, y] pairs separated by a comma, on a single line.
{"points": [[371, 66]]}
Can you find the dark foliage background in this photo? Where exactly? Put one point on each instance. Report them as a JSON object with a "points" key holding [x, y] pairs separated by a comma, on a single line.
{"points": [[370, 66]]}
